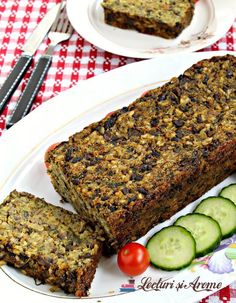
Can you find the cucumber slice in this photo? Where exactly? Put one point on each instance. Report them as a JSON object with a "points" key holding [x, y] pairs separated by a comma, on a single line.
{"points": [[205, 230], [222, 210], [172, 248], [229, 192]]}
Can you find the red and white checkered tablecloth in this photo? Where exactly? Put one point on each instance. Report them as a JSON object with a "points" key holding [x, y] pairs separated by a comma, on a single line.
{"points": [[74, 60]]}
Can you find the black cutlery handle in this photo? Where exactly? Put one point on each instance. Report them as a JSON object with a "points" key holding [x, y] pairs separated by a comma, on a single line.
{"points": [[31, 90], [13, 79]]}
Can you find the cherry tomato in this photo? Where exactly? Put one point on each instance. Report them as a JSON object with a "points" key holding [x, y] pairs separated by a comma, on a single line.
{"points": [[51, 147], [133, 259]]}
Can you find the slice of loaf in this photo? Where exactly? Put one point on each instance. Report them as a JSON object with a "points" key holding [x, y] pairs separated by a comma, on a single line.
{"points": [[164, 18], [48, 243], [147, 161]]}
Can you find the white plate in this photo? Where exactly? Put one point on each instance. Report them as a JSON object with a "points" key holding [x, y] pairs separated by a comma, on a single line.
{"points": [[21, 160], [212, 19]]}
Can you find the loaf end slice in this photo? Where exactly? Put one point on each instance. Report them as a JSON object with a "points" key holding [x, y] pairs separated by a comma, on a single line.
{"points": [[165, 18], [48, 243]]}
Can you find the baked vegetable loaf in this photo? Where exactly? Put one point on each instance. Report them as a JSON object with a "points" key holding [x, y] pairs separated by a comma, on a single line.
{"points": [[164, 18], [48, 243], [145, 162]]}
